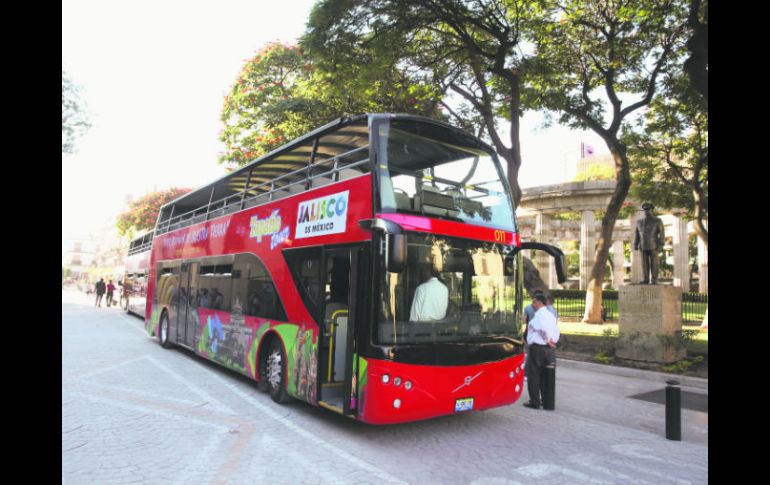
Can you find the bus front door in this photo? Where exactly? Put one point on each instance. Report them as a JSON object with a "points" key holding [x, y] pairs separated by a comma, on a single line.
{"points": [[336, 355], [187, 323]]}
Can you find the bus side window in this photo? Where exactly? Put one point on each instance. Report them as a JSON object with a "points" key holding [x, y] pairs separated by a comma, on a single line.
{"points": [[305, 266], [261, 297]]}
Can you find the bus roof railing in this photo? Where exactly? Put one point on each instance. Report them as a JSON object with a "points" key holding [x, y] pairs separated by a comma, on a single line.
{"points": [[261, 180], [140, 244], [241, 199]]}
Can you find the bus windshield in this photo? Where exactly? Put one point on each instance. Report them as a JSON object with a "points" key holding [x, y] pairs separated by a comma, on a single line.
{"points": [[437, 172], [468, 293]]}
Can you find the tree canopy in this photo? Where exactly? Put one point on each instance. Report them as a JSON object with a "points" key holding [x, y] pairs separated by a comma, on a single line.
{"points": [[467, 52], [280, 94], [669, 158], [143, 212], [74, 120], [598, 64]]}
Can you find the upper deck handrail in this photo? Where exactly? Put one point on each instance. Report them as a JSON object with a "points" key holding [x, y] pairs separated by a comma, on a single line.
{"points": [[240, 198]]}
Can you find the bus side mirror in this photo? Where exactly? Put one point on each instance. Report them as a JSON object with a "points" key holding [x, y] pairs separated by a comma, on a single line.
{"points": [[395, 242], [556, 253], [396, 253]]}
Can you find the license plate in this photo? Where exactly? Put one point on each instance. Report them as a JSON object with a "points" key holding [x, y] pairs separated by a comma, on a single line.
{"points": [[465, 404]]}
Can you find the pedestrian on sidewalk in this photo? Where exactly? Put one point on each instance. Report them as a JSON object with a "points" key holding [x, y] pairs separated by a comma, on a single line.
{"points": [[110, 293], [529, 314], [541, 332], [554, 341], [100, 290]]}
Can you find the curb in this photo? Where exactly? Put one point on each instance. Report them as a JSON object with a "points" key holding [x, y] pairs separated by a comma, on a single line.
{"points": [[684, 381]]}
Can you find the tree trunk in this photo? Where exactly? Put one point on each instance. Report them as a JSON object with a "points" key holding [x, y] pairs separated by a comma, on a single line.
{"points": [[593, 311], [699, 226], [532, 280]]}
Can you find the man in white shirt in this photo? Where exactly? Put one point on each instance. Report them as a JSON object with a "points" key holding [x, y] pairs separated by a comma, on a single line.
{"points": [[542, 335], [430, 298]]}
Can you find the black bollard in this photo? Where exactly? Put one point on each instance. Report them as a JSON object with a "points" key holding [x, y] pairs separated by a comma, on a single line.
{"points": [[673, 411], [549, 387]]}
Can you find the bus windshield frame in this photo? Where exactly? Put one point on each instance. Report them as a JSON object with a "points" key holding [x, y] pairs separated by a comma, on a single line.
{"points": [[434, 170], [481, 293]]}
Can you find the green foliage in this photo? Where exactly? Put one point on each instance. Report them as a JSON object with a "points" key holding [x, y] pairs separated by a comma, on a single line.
{"points": [[598, 63], [143, 212], [596, 171], [591, 50], [467, 55], [74, 121], [281, 94], [606, 354], [603, 358], [567, 216], [669, 155], [683, 365]]}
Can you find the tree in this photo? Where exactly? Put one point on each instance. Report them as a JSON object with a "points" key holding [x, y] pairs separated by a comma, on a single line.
{"points": [[669, 159], [593, 54], [468, 51], [466, 54], [696, 65], [142, 214], [74, 121], [280, 94]]}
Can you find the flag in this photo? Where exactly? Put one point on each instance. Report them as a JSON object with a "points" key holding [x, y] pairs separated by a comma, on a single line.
{"points": [[586, 150]]}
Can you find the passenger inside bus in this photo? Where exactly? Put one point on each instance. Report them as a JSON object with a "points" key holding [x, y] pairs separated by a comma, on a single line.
{"points": [[254, 304], [203, 299], [216, 299], [431, 298]]}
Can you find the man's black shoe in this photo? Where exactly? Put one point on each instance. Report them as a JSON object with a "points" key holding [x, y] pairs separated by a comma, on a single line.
{"points": [[530, 404]]}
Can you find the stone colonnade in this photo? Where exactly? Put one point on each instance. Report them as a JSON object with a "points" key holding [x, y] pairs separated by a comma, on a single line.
{"points": [[541, 203]]}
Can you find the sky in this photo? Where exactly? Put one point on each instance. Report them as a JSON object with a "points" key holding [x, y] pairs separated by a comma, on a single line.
{"points": [[154, 75]]}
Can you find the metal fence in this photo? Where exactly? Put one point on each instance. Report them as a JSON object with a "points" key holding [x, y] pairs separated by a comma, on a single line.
{"points": [[571, 304], [694, 306]]}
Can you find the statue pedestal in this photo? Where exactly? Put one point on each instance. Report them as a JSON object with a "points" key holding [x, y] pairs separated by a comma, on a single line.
{"points": [[650, 323]]}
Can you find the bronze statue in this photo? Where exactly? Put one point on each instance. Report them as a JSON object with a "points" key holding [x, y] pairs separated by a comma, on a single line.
{"points": [[649, 238]]}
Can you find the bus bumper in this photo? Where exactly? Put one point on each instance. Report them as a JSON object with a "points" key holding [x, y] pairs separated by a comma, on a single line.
{"points": [[397, 393]]}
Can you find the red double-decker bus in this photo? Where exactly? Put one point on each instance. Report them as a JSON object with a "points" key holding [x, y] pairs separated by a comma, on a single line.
{"points": [[300, 270], [133, 291]]}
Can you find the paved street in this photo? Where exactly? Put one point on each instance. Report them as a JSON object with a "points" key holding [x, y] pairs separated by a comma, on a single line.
{"points": [[133, 412]]}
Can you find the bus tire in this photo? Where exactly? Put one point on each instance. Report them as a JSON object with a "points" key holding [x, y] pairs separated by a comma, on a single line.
{"points": [[275, 372], [262, 364], [164, 331]]}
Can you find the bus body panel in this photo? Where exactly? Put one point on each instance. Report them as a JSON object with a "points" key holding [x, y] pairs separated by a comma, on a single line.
{"points": [[135, 288], [328, 217], [435, 389], [264, 231], [450, 228]]}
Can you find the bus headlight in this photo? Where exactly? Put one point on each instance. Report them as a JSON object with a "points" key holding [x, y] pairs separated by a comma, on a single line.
{"points": [[385, 378], [397, 403], [408, 385], [397, 381]]}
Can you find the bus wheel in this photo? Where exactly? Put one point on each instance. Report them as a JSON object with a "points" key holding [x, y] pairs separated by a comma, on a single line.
{"points": [[164, 331], [276, 373]]}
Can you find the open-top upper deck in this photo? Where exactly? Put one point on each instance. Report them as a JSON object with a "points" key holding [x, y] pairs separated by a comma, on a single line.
{"points": [[336, 151], [421, 166], [140, 244]]}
